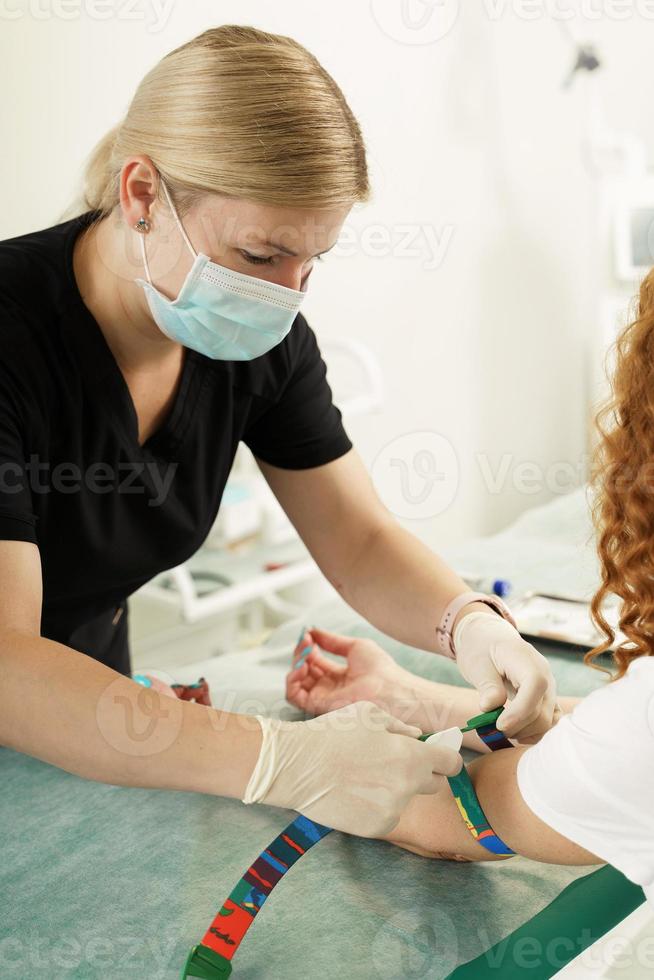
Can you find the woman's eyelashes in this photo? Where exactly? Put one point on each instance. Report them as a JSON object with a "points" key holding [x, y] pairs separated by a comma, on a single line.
{"points": [[267, 259], [257, 259]]}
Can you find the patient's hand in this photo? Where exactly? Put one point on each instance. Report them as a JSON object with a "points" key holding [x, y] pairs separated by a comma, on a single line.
{"points": [[368, 673]]}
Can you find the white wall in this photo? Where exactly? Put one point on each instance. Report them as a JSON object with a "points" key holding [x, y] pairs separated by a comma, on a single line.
{"points": [[471, 135]]}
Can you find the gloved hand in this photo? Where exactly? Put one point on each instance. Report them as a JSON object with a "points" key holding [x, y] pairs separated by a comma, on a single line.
{"points": [[494, 658], [354, 769]]}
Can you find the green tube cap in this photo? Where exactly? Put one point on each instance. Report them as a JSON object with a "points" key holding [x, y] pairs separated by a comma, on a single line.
{"points": [[202, 962], [488, 718]]}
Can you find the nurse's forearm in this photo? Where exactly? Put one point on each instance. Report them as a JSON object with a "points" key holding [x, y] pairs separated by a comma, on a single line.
{"points": [[72, 711], [401, 586]]}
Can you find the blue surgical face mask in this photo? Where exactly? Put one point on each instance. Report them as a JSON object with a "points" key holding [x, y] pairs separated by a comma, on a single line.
{"points": [[223, 314]]}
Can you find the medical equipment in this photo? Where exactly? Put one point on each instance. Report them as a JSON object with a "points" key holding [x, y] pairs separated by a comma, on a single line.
{"points": [[633, 228], [305, 651], [211, 958], [487, 583], [564, 619], [198, 691]]}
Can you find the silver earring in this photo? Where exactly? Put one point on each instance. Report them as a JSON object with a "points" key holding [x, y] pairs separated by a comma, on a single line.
{"points": [[142, 225]]}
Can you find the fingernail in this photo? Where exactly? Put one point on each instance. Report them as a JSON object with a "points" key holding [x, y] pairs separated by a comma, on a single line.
{"points": [[303, 656], [301, 636]]}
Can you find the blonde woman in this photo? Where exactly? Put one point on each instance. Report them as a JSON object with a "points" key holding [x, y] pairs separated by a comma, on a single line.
{"points": [[585, 793], [141, 341]]}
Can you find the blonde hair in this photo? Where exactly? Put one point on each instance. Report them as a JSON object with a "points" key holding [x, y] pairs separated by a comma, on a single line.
{"points": [[239, 112]]}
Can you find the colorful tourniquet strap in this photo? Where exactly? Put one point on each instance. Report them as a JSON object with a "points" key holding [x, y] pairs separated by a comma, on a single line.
{"points": [[473, 815], [492, 738], [211, 959], [464, 792]]}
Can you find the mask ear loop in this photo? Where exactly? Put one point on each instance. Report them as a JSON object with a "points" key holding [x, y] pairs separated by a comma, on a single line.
{"points": [[179, 223], [143, 226]]}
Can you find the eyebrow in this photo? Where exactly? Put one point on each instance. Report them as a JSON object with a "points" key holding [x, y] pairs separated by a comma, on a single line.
{"points": [[288, 251]]}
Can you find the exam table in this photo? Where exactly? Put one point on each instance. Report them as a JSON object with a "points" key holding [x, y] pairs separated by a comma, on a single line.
{"points": [[100, 881]]}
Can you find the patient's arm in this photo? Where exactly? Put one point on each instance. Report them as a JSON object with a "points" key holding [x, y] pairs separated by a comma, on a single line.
{"points": [[433, 827], [368, 673]]}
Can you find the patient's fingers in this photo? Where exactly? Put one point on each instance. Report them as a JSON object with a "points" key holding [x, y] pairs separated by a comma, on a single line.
{"points": [[333, 642], [303, 649], [316, 671], [304, 675], [301, 682]]}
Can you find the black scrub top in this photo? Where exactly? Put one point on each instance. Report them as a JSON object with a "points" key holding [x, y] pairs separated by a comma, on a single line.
{"points": [[107, 514]]}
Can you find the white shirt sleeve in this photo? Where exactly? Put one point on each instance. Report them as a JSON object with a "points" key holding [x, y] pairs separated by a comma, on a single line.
{"points": [[591, 777]]}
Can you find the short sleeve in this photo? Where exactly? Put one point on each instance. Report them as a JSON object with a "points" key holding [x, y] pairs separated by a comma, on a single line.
{"points": [[17, 517], [302, 427], [591, 777]]}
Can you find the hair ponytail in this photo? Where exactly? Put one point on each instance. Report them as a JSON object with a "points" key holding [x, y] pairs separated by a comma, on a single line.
{"points": [[98, 189]]}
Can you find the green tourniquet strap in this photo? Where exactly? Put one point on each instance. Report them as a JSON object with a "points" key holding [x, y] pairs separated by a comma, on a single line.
{"points": [[584, 912]]}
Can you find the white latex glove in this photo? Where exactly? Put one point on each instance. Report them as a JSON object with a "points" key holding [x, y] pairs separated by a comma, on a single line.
{"points": [[354, 769], [495, 659]]}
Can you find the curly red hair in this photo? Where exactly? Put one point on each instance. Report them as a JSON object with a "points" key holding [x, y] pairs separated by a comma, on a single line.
{"points": [[623, 480]]}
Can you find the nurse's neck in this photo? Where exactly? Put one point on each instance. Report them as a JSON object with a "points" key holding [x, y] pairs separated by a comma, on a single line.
{"points": [[106, 260]]}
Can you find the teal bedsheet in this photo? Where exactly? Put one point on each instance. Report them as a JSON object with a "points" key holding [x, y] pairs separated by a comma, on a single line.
{"points": [[104, 882]]}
